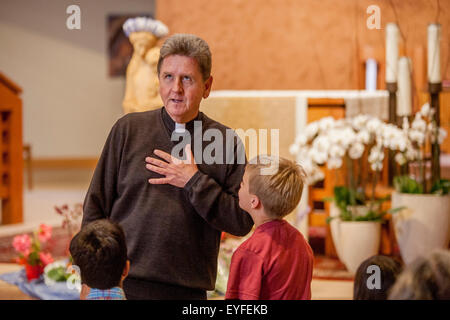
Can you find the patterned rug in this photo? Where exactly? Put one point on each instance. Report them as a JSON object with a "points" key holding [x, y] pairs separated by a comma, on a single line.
{"points": [[327, 268]]}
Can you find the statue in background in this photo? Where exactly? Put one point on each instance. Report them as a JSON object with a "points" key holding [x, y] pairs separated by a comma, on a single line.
{"points": [[142, 86]]}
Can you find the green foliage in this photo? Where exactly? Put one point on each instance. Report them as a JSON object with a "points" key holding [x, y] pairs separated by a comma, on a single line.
{"points": [[33, 258], [441, 186], [58, 274], [345, 198], [406, 184]]}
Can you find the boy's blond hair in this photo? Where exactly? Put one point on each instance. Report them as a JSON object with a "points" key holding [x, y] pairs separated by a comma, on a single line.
{"points": [[279, 191]]}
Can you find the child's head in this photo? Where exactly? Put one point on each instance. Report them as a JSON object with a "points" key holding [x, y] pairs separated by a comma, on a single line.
{"points": [[426, 278], [100, 251], [276, 183], [366, 286]]}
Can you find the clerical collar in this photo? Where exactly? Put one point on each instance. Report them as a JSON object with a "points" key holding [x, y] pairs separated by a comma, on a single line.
{"points": [[178, 127]]}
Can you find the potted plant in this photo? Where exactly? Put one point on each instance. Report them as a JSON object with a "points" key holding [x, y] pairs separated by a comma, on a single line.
{"points": [[31, 253], [355, 144], [424, 223]]}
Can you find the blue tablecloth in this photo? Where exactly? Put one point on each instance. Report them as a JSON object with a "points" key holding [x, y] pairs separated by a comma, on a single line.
{"points": [[38, 289]]}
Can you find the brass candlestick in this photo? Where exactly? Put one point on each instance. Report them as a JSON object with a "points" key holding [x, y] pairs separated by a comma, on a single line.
{"points": [[435, 89], [392, 89]]}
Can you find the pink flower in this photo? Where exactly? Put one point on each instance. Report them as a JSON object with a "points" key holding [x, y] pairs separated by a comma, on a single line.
{"points": [[22, 244], [45, 233], [46, 258]]}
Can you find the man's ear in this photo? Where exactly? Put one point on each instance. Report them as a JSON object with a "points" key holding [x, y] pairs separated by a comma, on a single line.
{"points": [[126, 269], [208, 85]]}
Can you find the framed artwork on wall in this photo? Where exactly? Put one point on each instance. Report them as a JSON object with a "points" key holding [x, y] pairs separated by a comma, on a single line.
{"points": [[119, 47]]}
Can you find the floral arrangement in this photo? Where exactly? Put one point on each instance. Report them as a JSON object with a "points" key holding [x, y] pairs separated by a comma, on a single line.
{"points": [[355, 143], [59, 271], [71, 217], [31, 253], [419, 135], [361, 142]]}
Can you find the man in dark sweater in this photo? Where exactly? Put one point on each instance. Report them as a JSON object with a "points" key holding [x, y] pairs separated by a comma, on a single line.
{"points": [[172, 211]]}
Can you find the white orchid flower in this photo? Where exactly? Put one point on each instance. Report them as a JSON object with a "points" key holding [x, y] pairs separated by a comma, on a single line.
{"points": [[356, 151], [321, 143], [425, 110], [417, 136], [319, 157], [334, 163], [400, 158], [419, 124], [336, 151], [301, 140], [377, 166], [359, 121], [311, 130], [294, 149], [363, 136], [373, 125], [326, 123]]}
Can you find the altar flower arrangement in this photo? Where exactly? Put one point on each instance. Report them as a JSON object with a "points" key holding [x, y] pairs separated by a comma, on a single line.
{"points": [[355, 143], [31, 253], [420, 133]]}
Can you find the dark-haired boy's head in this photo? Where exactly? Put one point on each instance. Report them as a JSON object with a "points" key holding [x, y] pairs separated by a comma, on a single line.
{"points": [[389, 269], [100, 251]]}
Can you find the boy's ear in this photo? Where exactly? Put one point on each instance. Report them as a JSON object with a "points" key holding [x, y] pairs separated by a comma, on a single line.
{"points": [[126, 269], [255, 203]]}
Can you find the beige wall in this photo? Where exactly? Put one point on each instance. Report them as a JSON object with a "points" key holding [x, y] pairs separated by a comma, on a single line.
{"points": [[69, 101], [297, 44]]}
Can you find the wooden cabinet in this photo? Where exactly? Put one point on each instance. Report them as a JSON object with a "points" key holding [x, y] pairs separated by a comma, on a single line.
{"points": [[11, 152]]}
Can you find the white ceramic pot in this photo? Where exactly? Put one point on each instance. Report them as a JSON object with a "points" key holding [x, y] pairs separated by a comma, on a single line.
{"points": [[423, 225], [334, 228], [355, 241], [359, 240]]}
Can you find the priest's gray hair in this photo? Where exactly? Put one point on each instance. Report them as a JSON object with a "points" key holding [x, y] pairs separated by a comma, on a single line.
{"points": [[187, 45]]}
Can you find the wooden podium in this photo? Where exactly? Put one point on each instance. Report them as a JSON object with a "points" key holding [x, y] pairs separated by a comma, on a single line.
{"points": [[11, 152]]}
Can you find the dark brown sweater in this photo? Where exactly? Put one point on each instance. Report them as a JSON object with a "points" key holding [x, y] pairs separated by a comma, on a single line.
{"points": [[173, 234]]}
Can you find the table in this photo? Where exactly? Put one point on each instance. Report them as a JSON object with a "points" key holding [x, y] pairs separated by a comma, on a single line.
{"points": [[9, 291]]}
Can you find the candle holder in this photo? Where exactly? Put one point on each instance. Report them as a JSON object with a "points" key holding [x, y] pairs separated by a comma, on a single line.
{"points": [[392, 89], [435, 89]]}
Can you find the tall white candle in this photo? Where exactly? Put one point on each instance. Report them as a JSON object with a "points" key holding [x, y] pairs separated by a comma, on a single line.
{"points": [[404, 98], [392, 34], [371, 74], [433, 54]]}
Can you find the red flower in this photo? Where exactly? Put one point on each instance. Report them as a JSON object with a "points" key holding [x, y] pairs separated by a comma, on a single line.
{"points": [[45, 233], [22, 244], [45, 258]]}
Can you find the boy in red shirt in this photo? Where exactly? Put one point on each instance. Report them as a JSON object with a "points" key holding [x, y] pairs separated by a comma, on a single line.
{"points": [[276, 262]]}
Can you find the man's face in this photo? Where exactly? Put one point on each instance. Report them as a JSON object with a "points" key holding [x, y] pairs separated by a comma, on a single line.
{"points": [[244, 193], [182, 87]]}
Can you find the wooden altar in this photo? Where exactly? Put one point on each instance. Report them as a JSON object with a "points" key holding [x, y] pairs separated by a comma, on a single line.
{"points": [[11, 152]]}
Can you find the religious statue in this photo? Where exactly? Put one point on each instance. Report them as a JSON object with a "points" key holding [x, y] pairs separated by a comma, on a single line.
{"points": [[142, 86]]}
